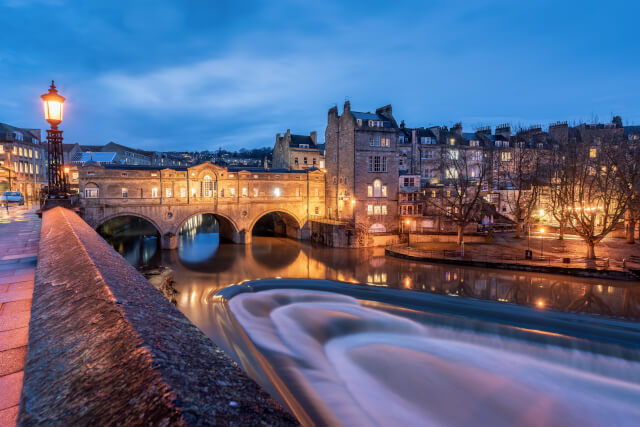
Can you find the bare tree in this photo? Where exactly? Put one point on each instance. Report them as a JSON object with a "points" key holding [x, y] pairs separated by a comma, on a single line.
{"points": [[464, 171], [558, 191], [598, 187], [522, 176]]}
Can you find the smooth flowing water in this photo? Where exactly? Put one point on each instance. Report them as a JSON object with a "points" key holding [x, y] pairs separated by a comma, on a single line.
{"points": [[336, 360], [332, 358]]}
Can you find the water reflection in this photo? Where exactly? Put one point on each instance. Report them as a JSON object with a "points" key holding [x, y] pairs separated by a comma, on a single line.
{"points": [[204, 264]]}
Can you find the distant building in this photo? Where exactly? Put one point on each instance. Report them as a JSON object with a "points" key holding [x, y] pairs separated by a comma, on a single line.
{"points": [[23, 160], [297, 152]]}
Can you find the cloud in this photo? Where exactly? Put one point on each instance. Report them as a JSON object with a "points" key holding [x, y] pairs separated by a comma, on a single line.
{"points": [[222, 86]]}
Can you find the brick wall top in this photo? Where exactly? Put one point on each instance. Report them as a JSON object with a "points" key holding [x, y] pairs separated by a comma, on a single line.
{"points": [[105, 347]]}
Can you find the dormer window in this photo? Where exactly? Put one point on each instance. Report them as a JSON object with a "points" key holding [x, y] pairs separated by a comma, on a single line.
{"points": [[370, 123], [304, 145], [359, 121], [474, 143]]}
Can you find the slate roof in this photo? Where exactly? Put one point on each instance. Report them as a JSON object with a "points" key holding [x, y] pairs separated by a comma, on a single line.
{"points": [[5, 128], [631, 130], [296, 140], [99, 157]]}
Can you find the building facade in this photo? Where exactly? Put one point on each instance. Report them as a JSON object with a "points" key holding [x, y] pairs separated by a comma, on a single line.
{"points": [[297, 152], [23, 161], [362, 169]]}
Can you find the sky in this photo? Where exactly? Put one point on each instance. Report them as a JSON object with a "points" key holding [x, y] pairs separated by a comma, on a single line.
{"points": [[202, 75]]}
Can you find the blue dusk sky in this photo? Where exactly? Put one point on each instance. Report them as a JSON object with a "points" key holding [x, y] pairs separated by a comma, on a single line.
{"points": [[198, 75]]}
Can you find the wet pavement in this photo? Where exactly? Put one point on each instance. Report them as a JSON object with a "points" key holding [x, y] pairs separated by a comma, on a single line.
{"points": [[19, 239]]}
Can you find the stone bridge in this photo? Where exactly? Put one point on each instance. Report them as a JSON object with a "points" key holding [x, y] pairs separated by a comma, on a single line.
{"points": [[168, 198]]}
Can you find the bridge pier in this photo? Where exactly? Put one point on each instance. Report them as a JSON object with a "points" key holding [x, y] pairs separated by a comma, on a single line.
{"points": [[169, 241]]}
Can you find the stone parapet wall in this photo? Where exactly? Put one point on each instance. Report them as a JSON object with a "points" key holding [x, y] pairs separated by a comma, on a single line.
{"points": [[105, 347]]}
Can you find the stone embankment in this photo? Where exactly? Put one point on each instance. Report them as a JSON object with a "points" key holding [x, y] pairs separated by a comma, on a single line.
{"points": [[105, 347], [531, 266]]}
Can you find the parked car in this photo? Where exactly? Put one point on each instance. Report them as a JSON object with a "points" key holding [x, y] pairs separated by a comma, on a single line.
{"points": [[9, 197]]}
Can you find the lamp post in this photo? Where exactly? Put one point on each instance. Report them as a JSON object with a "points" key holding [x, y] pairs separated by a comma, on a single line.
{"points": [[53, 107], [542, 242]]}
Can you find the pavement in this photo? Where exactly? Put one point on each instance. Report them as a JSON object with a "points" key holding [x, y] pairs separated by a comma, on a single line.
{"points": [[19, 239]]}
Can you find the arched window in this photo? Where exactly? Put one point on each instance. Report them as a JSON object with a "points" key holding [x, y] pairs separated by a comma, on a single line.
{"points": [[91, 191], [207, 186], [377, 188]]}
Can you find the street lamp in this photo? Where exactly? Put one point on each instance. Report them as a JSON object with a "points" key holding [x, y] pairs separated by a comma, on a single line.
{"points": [[53, 107], [541, 242]]}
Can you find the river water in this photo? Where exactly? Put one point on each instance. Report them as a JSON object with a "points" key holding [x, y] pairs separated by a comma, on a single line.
{"points": [[203, 264], [335, 359]]}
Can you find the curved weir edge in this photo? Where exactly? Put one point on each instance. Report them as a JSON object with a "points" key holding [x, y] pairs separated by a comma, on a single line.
{"points": [[613, 337]]}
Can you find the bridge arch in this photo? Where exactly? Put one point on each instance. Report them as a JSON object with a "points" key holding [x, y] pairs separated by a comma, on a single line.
{"points": [[293, 226], [228, 227], [108, 218]]}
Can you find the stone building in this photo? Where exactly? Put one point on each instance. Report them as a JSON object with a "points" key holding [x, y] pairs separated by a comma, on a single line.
{"points": [[362, 169], [23, 161], [297, 152]]}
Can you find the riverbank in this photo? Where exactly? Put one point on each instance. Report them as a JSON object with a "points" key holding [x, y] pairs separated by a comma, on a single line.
{"points": [[547, 255], [543, 265]]}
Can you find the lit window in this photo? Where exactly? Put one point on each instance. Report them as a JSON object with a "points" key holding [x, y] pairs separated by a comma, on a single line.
{"points": [[193, 192], [321, 164], [304, 160], [369, 190], [298, 192], [232, 192], [1, 149], [91, 192], [154, 192], [30, 153], [433, 194], [31, 168], [255, 192], [183, 192], [506, 156], [593, 153], [369, 209], [245, 192], [451, 173], [454, 154], [384, 191], [376, 210], [20, 151], [277, 192], [75, 174], [295, 161], [125, 193], [317, 192], [207, 186], [384, 209], [168, 192]]}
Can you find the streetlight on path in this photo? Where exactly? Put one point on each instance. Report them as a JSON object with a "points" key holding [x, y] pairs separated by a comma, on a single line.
{"points": [[58, 186]]}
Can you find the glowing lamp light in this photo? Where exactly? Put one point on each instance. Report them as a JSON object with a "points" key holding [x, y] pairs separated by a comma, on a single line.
{"points": [[53, 106], [277, 192], [542, 230], [353, 201], [408, 222], [541, 212], [540, 303], [66, 170]]}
